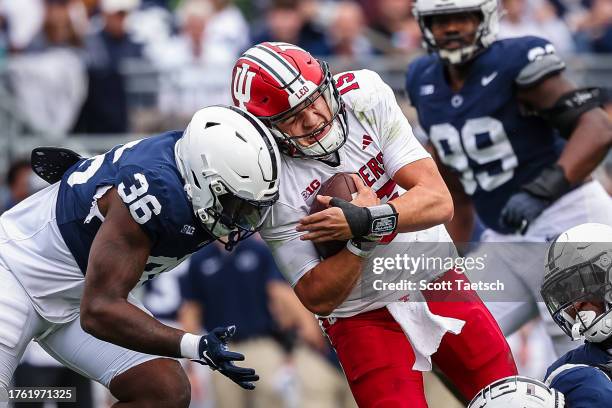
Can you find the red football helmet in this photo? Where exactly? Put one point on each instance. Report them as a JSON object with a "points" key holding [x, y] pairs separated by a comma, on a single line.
{"points": [[275, 81]]}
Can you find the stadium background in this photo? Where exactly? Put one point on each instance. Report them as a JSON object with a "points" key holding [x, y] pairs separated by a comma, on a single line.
{"points": [[90, 74]]}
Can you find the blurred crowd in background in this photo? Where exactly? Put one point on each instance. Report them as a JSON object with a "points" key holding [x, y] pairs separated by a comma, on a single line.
{"points": [[105, 67], [66, 64]]}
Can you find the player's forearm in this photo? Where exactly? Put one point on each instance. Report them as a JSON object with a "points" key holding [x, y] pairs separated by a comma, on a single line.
{"points": [[190, 316], [121, 323], [423, 207], [587, 147], [328, 284]]}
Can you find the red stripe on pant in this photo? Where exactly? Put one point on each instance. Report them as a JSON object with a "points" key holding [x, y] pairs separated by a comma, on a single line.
{"points": [[377, 358]]}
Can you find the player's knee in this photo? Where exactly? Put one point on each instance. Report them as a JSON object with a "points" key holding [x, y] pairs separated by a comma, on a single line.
{"points": [[172, 389], [156, 383]]}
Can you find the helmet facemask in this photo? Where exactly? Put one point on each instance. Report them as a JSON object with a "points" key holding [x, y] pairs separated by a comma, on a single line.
{"points": [[590, 281], [232, 216], [484, 35], [338, 126]]}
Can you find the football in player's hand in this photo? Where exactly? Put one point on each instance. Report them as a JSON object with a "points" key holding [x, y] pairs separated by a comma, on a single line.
{"points": [[339, 185]]}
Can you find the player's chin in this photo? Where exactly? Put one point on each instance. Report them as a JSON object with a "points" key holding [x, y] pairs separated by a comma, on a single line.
{"points": [[454, 45]]}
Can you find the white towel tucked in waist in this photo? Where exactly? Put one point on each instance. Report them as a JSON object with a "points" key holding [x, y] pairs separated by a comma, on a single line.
{"points": [[423, 329]]}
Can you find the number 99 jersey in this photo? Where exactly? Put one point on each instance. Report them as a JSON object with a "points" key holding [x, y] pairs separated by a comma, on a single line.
{"points": [[45, 240], [481, 132]]}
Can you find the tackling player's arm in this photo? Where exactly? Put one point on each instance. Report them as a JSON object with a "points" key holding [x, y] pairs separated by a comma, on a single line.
{"points": [[117, 259]]}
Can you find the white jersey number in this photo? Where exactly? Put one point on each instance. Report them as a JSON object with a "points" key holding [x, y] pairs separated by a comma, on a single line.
{"points": [[82, 177], [454, 150], [141, 206]]}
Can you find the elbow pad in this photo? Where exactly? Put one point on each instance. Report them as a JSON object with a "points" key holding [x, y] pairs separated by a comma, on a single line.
{"points": [[564, 114]]}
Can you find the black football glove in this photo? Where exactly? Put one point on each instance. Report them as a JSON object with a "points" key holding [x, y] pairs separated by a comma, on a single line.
{"points": [[526, 205], [214, 352], [521, 209]]}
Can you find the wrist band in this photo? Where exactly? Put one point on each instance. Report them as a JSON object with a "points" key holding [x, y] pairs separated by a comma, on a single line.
{"points": [[355, 248], [365, 221], [190, 346], [383, 219]]}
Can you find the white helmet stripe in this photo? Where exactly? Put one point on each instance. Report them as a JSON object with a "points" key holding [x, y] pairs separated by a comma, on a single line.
{"points": [[294, 72], [266, 68], [274, 67], [265, 135]]}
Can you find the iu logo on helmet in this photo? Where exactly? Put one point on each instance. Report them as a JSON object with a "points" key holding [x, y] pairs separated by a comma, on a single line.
{"points": [[242, 85]]}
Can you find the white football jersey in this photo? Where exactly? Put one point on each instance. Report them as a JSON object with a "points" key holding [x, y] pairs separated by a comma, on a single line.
{"points": [[380, 142]]}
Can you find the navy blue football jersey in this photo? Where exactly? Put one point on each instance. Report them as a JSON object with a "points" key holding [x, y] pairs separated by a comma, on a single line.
{"points": [[583, 376], [148, 181], [481, 132]]}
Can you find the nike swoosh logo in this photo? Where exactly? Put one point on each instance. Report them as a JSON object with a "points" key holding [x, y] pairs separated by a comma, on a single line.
{"points": [[486, 80]]}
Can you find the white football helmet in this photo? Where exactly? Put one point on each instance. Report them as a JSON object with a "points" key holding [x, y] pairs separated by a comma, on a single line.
{"points": [[231, 167], [518, 392], [486, 32], [579, 269]]}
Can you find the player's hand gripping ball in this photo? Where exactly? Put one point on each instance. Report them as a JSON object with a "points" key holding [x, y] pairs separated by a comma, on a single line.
{"points": [[339, 185]]}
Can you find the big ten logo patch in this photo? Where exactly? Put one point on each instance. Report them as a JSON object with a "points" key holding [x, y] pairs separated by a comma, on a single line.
{"points": [[311, 189]]}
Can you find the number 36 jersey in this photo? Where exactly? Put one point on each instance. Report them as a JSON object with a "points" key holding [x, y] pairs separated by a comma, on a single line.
{"points": [[46, 239], [480, 132]]}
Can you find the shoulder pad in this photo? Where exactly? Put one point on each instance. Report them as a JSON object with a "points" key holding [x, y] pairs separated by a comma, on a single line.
{"points": [[362, 90], [541, 68], [540, 61]]}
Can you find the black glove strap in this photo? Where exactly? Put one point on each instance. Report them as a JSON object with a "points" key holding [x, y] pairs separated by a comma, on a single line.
{"points": [[550, 184], [364, 221]]}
